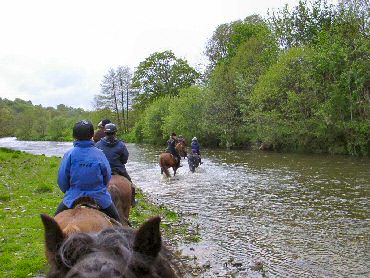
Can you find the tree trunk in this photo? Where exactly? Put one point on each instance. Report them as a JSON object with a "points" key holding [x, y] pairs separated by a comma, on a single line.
{"points": [[116, 105]]}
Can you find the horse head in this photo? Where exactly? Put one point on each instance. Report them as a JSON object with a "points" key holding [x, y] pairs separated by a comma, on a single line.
{"points": [[181, 149], [113, 252]]}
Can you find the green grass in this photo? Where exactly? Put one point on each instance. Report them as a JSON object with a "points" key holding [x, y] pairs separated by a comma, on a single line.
{"points": [[28, 188]]}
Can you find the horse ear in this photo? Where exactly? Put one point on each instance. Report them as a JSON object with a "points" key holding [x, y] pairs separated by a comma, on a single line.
{"points": [[148, 240], [53, 234]]}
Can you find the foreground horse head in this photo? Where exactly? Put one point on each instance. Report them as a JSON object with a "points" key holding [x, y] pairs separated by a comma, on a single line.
{"points": [[114, 252]]}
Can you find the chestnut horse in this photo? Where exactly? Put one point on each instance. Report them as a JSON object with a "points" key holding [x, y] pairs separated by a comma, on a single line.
{"points": [[113, 252], [85, 219], [167, 160]]}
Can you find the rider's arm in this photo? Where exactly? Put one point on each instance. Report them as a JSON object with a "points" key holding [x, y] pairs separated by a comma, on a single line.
{"points": [[105, 169], [124, 154], [64, 173]]}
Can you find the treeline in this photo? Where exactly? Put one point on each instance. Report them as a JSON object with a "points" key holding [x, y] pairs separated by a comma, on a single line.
{"points": [[33, 122], [296, 81]]}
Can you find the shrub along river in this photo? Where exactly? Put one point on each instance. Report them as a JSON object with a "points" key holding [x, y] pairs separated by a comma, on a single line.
{"points": [[261, 214]]}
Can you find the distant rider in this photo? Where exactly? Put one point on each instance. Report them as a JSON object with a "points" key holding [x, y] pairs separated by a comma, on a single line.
{"points": [[182, 141], [195, 148], [117, 154], [99, 134], [85, 172], [171, 148]]}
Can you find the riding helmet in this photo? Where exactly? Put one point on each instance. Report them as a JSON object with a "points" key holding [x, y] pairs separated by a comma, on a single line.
{"points": [[110, 128], [194, 139], [83, 130], [104, 122]]}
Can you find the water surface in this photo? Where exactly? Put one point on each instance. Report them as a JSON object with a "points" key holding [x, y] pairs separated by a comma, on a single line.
{"points": [[262, 214]]}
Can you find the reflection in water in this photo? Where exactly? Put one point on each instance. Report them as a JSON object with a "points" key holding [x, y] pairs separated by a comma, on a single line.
{"points": [[297, 215]]}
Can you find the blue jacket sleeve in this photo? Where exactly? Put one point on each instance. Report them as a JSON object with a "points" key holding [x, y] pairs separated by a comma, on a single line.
{"points": [[124, 154], [64, 173], [105, 169]]}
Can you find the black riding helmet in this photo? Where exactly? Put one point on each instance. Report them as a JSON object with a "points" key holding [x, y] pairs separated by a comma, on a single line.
{"points": [[110, 129], [83, 130]]}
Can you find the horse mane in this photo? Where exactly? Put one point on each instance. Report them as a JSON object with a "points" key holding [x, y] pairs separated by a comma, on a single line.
{"points": [[119, 245]]}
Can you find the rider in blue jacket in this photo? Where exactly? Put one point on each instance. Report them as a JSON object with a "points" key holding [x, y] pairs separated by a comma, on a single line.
{"points": [[85, 172], [195, 148], [117, 154]]}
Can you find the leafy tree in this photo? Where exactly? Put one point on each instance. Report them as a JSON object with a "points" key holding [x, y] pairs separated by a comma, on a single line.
{"points": [[6, 122], [229, 36], [301, 25], [185, 114], [153, 120], [162, 74]]}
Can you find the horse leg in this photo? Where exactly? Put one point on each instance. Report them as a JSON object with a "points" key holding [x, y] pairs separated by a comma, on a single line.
{"points": [[174, 171], [161, 171], [166, 172]]}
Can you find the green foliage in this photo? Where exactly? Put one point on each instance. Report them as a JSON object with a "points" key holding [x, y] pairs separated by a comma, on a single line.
{"points": [[162, 74], [301, 25], [153, 120], [185, 114]]}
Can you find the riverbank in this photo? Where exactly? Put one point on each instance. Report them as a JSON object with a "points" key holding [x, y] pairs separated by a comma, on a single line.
{"points": [[28, 188]]}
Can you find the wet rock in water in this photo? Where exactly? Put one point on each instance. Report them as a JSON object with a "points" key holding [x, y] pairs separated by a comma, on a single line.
{"points": [[257, 266], [207, 265], [236, 264]]}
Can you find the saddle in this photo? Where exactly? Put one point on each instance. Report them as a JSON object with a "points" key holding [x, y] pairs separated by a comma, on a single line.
{"points": [[87, 202]]}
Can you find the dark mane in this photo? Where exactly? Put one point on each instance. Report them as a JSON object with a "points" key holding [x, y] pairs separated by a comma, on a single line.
{"points": [[114, 252]]}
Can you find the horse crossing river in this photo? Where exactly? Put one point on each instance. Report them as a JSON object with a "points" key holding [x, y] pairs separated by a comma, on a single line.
{"points": [[261, 214]]}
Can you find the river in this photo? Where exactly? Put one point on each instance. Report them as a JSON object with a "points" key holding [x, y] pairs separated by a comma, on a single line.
{"points": [[261, 214]]}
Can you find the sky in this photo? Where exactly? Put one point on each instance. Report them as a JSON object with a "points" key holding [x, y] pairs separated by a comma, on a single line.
{"points": [[57, 52]]}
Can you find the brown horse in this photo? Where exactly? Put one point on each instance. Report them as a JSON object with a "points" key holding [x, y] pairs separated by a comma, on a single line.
{"points": [[85, 219], [167, 160], [115, 252]]}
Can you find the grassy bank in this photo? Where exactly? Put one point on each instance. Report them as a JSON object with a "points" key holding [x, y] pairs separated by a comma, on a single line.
{"points": [[27, 188]]}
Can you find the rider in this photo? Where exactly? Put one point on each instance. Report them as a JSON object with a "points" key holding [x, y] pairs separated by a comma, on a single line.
{"points": [[117, 154], [195, 148], [182, 141], [99, 134], [85, 172], [171, 148]]}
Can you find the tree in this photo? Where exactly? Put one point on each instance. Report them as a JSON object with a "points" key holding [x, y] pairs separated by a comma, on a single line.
{"points": [[229, 36], [6, 122], [301, 25], [186, 113], [124, 80], [162, 74], [109, 94]]}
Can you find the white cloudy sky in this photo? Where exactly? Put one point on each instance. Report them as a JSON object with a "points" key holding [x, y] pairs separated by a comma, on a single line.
{"points": [[54, 52]]}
